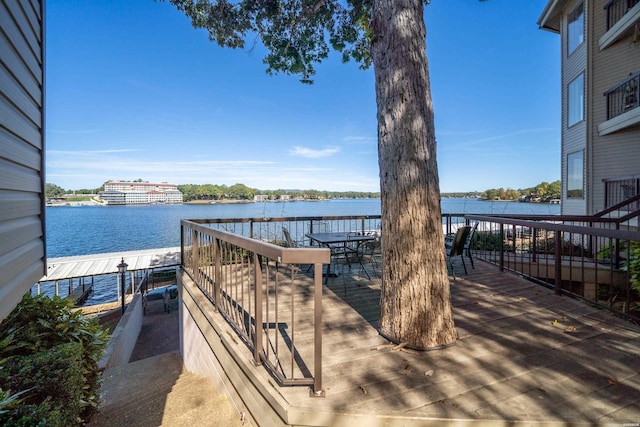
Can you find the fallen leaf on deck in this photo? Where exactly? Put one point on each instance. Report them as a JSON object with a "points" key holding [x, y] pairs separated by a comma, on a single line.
{"points": [[570, 329], [555, 322]]}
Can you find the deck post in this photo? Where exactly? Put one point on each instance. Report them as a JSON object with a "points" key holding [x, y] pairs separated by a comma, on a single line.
{"points": [[501, 247], [217, 271], [258, 299], [558, 261], [317, 332], [194, 255]]}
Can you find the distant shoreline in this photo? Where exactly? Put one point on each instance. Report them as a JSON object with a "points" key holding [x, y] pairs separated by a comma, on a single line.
{"points": [[82, 203], [239, 201]]}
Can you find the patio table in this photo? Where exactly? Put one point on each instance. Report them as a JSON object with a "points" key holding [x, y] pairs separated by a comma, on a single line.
{"points": [[338, 244]]}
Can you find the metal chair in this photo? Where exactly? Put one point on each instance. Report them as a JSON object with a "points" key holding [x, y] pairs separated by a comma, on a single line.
{"points": [[456, 247], [345, 256], [293, 244], [448, 239], [369, 252]]}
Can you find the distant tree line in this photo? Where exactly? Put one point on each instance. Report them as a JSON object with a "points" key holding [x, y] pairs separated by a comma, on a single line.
{"points": [[242, 192], [216, 192], [53, 191], [542, 192], [462, 194]]}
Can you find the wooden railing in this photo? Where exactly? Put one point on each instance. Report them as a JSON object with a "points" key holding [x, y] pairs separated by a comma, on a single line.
{"points": [[254, 285]]}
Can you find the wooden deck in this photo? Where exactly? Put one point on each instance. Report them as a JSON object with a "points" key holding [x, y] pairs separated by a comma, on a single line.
{"points": [[523, 355], [517, 358]]}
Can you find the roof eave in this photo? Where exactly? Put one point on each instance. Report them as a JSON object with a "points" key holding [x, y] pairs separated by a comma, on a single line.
{"points": [[549, 20]]}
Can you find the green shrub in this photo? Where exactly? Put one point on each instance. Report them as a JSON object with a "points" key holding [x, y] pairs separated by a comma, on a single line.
{"points": [[486, 240], [66, 346], [54, 374], [634, 266]]}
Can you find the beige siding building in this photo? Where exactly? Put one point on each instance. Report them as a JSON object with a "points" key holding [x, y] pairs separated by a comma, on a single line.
{"points": [[600, 76], [22, 240]]}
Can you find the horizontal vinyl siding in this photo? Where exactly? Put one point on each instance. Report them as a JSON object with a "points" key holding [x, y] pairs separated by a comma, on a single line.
{"points": [[574, 137], [22, 240], [617, 154]]}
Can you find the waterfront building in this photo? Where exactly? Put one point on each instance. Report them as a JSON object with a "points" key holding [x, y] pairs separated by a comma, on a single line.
{"points": [[139, 193], [600, 81]]}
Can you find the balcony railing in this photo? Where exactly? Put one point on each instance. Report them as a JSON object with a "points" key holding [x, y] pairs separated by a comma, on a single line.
{"points": [[254, 283], [616, 9], [619, 190], [590, 258], [623, 97]]}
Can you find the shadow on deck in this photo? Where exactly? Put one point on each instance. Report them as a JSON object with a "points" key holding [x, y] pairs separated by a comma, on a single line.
{"points": [[524, 354]]}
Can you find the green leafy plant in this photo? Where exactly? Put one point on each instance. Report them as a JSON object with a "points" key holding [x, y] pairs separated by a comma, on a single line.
{"points": [[53, 350], [633, 266], [485, 240]]}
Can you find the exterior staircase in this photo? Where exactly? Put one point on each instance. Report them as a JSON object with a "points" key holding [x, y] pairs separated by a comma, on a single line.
{"points": [[154, 389]]}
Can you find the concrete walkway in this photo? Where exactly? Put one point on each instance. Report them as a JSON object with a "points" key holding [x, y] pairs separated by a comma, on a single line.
{"points": [[155, 390]]}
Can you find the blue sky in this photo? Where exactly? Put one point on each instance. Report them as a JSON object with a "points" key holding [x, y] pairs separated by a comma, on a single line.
{"points": [[133, 91]]}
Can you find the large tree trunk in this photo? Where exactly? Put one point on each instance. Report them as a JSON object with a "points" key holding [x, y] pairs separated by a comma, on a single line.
{"points": [[415, 305]]}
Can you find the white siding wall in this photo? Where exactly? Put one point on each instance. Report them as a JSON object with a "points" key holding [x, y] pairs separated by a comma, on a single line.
{"points": [[22, 241]]}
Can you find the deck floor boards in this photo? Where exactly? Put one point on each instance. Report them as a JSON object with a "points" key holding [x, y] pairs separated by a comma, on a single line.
{"points": [[516, 358]]}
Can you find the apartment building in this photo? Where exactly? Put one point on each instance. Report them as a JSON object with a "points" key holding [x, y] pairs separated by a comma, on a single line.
{"points": [[600, 80], [136, 193]]}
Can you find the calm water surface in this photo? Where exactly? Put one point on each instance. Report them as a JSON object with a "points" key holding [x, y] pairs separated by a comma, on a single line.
{"points": [[82, 230]]}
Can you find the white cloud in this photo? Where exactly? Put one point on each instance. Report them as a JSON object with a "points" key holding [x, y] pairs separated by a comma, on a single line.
{"points": [[89, 169], [314, 154]]}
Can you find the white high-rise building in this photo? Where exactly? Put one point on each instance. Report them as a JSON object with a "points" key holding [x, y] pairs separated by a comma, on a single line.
{"points": [[140, 193]]}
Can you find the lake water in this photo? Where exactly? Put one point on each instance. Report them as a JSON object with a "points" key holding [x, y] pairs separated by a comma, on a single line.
{"points": [[83, 230]]}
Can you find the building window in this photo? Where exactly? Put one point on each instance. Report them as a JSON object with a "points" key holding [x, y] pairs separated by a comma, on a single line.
{"points": [[575, 35], [576, 101], [575, 175]]}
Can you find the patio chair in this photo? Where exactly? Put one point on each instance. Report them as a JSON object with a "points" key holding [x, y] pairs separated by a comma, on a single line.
{"points": [[290, 243], [287, 238], [345, 256], [467, 244], [449, 237], [456, 247], [369, 253]]}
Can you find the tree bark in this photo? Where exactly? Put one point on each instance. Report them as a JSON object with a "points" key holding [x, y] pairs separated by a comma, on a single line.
{"points": [[415, 306]]}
